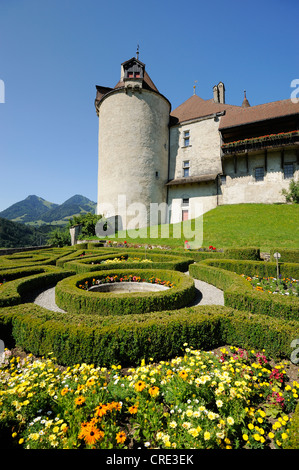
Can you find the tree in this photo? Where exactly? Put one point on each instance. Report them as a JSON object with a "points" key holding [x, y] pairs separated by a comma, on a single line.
{"points": [[87, 221], [292, 195], [59, 238]]}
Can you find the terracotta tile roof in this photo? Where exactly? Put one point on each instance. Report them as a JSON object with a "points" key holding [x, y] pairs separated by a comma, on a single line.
{"points": [[196, 107], [239, 116]]}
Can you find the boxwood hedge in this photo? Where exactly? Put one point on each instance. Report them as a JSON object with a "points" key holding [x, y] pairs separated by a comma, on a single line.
{"points": [[238, 292], [73, 299], [157, 261], [126, 339]]}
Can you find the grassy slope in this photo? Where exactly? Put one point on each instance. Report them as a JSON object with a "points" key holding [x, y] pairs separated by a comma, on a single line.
{"points": [[263, 225]]}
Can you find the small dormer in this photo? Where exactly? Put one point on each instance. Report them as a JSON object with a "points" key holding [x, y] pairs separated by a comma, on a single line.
{"points": [[133, 68], [132, 73]]}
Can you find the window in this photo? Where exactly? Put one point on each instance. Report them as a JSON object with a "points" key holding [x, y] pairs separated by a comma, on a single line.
{"points": [[157, 175], [223, 179], [288, 170], [186, 168], [185, 201], [259, 174], [186, 138]]}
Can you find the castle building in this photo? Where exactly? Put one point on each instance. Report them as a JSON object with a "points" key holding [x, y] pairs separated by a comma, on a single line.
{"points": [[188, 160]]}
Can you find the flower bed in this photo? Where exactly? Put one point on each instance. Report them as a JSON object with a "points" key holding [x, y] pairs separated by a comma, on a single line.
{"points": [[272, 285], [129, 259], [127, 278], [199, 400], [71, 298]]}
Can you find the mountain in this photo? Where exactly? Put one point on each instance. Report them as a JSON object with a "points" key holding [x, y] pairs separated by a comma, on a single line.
{"points": [[37, 211], [73, 206], [15, 235], [27, 210]]}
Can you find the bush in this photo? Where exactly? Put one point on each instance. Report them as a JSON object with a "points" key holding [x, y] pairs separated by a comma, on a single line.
{"points": [[158, 261], [73, 299], [127, 339], [14, 291], [239, 294], [287, 256], [292, 195]]}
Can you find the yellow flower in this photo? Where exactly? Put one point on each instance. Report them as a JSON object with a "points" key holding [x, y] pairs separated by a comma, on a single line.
{"points": [[230, 420], [153, 391], [206, 435], [245, 437], [139, 386], [271, 435], [121, 437], [79, 400], [133, 409]]}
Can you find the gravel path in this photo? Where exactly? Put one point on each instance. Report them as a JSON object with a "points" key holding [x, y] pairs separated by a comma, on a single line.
{"points": [[206, 294]]}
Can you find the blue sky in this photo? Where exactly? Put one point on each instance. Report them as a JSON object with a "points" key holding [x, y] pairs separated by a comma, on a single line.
{"points": [[54, 52]]}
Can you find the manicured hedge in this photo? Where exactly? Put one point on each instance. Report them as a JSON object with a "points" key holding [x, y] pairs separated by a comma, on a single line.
{"points": [[159, 261], [287, 256], [260, 268], [41, 258], [14, 292], [73, 299], [125, 340], [293, 440], [239, 294]]}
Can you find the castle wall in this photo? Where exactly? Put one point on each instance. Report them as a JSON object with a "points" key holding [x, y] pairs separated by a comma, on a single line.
{"points": [[133, 155], [202, 198], [203, 151], [241, 186], [203, 155]]}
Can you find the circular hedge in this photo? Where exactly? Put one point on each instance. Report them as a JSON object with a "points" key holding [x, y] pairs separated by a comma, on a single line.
{"points": [[156, 261], [73, 299]]}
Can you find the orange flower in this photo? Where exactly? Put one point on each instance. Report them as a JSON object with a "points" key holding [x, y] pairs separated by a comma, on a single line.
{"points": [[114, 405], [133, 409], [183, 374], [101, 410], [139, 386], [153, 391], [90, 433], [120, 437], [79, 400]]}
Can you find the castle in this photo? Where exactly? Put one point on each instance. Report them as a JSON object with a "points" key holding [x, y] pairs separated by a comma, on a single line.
{"points": [[191, 159]]}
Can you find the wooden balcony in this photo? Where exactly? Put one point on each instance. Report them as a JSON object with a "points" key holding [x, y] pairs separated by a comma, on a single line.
{"points": [[271, 141]]}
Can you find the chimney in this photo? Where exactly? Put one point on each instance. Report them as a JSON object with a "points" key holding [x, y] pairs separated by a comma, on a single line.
{"points": [[215, 94], [221, 92]]}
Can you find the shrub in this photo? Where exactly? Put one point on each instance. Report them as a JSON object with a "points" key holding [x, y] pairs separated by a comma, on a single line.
{"points": [[292, 195], [239, 294], [158, 261], [14, 291], [287, 256], [71, 298], [126, 339]]}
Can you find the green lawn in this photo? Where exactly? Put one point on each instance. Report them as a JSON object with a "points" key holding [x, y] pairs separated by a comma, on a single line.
{"points": [[262, 225]]}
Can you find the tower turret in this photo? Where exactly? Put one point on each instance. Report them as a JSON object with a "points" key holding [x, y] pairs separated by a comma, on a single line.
{"points": [[133, 147]]}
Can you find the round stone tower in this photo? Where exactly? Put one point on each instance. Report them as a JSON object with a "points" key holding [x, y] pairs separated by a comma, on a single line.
{"points": [[133, 149]]}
